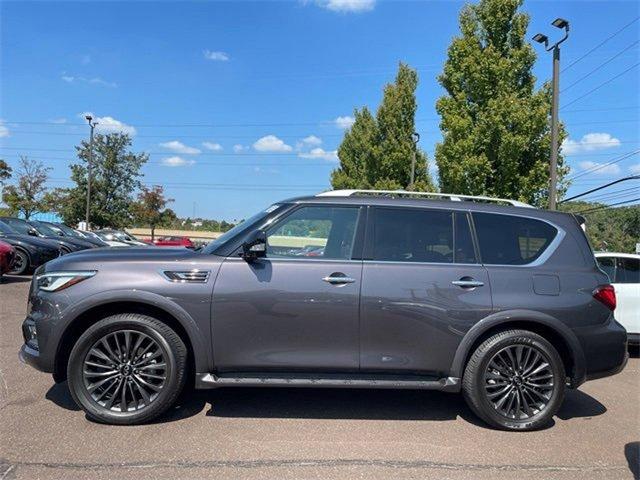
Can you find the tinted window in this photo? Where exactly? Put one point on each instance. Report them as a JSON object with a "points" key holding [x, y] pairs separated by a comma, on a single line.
{"points": [[608, 265], [511, 240], [413, 235], [463, 242], [314, 232], [628, 270]]}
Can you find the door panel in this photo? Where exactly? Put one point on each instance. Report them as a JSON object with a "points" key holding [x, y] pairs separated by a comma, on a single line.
{"points": [[280, 315], [413, 316]]}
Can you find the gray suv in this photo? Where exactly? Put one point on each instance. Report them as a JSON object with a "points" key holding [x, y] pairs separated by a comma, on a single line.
{"points": [[355, 289]]}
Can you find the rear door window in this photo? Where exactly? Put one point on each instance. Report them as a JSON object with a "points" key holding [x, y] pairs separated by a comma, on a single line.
{"points": [[628, 270], [608, 265], [511, 240], [421, 235]]}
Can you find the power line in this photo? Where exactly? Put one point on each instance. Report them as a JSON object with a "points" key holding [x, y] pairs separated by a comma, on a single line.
{"points": [[634, 190], [624, 179], [595, 168], [600, 86], [601, 44], [603, 207], [600, 66]]}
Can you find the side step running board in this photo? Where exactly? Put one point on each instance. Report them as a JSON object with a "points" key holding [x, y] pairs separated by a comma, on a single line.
{"points": [[413, 382]]}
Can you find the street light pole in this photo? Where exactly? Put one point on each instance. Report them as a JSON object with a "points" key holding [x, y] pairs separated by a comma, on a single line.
{"points": [[416, 138], [555, 102], [92, 124]]}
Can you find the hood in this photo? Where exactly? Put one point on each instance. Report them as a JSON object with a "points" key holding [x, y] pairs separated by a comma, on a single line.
{"points": [[28, 240], [92, 259]]}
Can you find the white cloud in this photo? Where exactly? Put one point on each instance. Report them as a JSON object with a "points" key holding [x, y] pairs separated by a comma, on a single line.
{"points": [[216, 56], [216, 147], [635, 168], [344, 122], [59, 120], [271, 143], [88, 80], [4, 131], [589, 143], [600, 168], [239, 148], [312, 140], [347, 6], [179, 147], [331, 155], [177, 162], [109, 124]]}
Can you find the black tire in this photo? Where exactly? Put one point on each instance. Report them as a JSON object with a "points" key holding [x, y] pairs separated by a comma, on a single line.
{"points": [[528, 394], [169, 364], [21, 263]]}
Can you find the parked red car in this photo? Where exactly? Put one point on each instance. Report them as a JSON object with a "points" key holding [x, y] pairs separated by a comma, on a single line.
{"points": [[7, 254], [174, 242]]}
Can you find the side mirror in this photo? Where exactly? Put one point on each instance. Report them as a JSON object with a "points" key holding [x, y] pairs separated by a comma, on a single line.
{"points": [[255, 246], [33, 232]]}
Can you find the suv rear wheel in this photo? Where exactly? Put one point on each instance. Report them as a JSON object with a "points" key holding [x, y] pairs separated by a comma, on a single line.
{"points": [[127, 369], [515, 380]]}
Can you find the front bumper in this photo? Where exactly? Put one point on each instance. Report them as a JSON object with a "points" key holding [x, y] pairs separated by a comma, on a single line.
{"points": [[32, 357]]}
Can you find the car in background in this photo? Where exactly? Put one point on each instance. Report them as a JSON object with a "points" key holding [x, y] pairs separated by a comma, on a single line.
{"points": [[65, 231], [7, 254], [120, 236], [92, 235], [623, 270], [31, 252], [173, 242], [26, 228]]}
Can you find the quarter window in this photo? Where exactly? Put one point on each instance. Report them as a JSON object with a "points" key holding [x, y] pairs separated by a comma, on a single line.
{"points": [[511, 240], [314, 233]]}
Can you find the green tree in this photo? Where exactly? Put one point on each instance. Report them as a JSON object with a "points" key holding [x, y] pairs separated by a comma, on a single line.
{"points": [[151, 208], [495, 124], [377, 152], [5, 172], [28, 195], [609, 229], [115, 178]]}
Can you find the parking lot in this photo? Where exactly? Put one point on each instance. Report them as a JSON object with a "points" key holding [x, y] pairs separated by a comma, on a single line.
{"points": [[288, 433]]}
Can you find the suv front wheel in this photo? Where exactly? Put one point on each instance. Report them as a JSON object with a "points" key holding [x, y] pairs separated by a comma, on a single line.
{"points": [[515, 380], [127, 369]]}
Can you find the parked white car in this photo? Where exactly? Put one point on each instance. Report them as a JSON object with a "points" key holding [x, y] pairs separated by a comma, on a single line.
{"points": [[624, 272]]}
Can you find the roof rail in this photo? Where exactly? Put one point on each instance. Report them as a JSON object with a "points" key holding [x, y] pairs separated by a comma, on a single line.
{"points": [[401, 193]]}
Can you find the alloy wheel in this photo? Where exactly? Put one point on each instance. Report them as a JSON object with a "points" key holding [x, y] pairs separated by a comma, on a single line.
{"points": [[124, 371], [519, 381]]}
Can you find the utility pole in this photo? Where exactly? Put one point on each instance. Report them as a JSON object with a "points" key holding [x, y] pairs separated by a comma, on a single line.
{"points": [[92, 124], [416, 138], [553, 167]]}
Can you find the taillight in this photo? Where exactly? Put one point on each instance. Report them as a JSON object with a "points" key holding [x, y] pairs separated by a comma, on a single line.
{"points": [[607, 295]]}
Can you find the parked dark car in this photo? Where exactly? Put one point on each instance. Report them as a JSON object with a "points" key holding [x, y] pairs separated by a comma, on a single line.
{"points": [[7, 254], [31, 252], [65, 231], [35, 229], [504, 303]]}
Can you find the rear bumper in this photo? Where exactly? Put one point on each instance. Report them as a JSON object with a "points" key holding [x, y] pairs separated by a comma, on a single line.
{"points": [[605, 349]]}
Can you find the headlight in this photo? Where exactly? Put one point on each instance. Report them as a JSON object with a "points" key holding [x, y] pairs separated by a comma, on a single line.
{"points": [[54, 281]]}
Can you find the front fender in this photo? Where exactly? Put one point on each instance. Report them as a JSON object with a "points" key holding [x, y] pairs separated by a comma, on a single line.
{"points": [[202, 358], [513, 317]]}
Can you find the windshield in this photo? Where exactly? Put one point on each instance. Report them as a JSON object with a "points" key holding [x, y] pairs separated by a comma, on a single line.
{"points": [[64, 229], [43, 229], [19, 225], [239, 228]]}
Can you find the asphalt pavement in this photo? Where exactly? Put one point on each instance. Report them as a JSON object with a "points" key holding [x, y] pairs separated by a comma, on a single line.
{"points": [[305, 433]]}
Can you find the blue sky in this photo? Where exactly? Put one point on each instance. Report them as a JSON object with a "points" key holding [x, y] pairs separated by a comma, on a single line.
{"points": [[242, 104]]}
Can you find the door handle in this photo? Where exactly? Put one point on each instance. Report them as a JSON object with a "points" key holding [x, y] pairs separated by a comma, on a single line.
{"points": [[467, 283], [338, 279]]}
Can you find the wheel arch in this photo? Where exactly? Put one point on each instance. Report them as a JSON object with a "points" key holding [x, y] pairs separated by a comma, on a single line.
{"points": [[554, 331], [84, 318]]}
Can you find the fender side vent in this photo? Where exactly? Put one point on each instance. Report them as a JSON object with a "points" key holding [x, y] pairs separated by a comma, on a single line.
{"points": [[187, 276]]}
